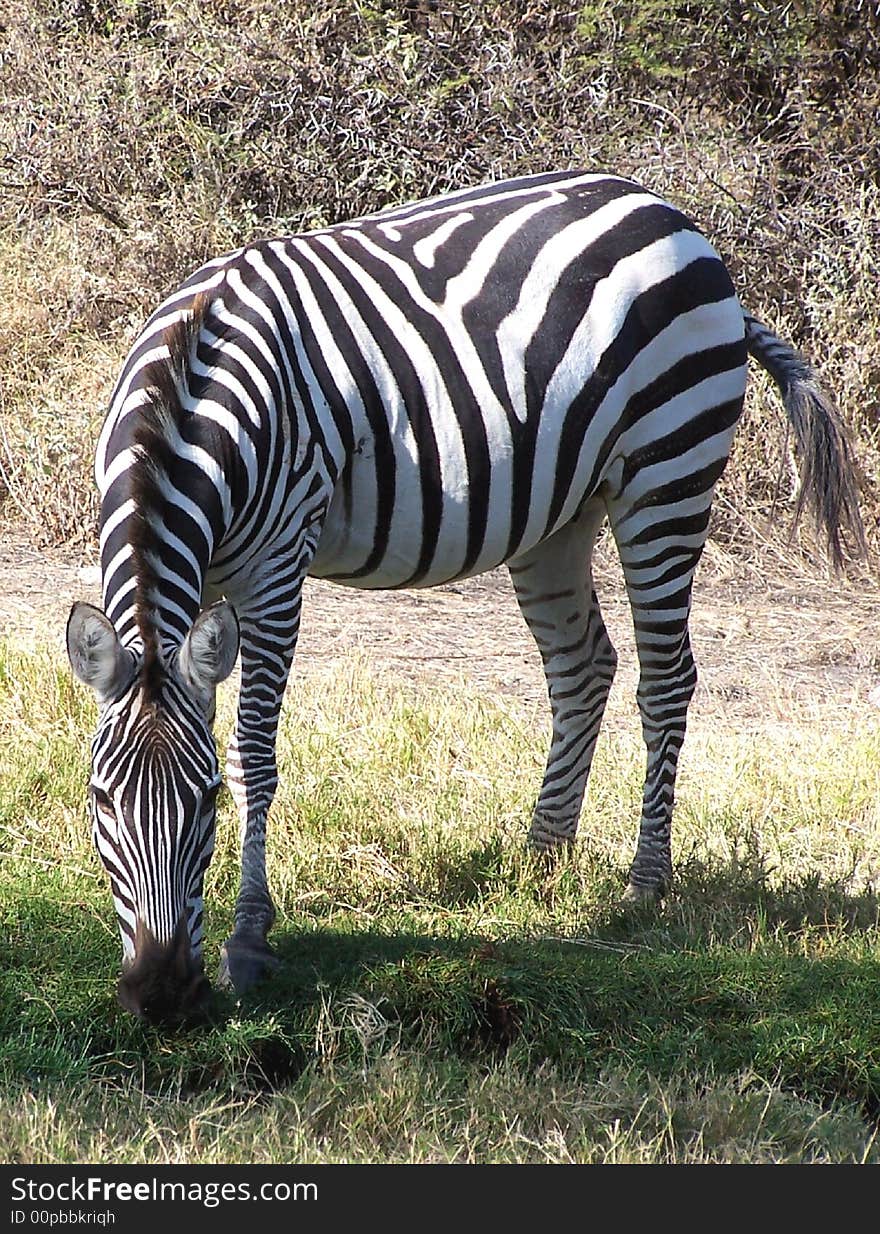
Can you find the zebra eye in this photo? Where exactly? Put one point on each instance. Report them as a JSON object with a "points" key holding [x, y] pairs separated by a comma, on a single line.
{"points": [[102, 800]]}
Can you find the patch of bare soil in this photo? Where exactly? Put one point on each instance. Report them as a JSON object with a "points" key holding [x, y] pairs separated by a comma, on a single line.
{"points": [[769, 649]]}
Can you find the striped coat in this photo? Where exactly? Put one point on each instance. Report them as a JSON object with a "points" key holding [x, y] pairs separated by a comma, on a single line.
{"points": [[401, 401]]}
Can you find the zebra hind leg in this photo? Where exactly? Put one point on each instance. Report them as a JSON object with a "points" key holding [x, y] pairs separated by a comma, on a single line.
{"points": [[553, 585], [659, 574]]}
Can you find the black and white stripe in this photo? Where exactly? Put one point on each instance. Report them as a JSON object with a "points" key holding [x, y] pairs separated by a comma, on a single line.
{"points": [[150, 768], [401, 401]]}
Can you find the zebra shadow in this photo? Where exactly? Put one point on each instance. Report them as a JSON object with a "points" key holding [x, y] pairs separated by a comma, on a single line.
{"points": [[720, 972], [727, 939], [738, 903]]}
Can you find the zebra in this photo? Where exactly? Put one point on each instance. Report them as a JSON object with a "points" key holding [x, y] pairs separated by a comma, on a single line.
{"points": [[401, 401]]}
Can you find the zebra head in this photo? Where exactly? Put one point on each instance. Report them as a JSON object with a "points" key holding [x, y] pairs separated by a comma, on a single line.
{"points": [[154, 782]]}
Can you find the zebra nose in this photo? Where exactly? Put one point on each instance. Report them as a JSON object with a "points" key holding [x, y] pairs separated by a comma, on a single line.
{"points": [[152, 999], [165, 984]]}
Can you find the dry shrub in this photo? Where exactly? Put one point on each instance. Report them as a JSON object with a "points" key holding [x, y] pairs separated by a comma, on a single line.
{"points": [[138, 137], [57, 372]]}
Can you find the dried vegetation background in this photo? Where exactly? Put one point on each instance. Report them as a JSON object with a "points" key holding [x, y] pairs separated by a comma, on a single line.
{"points": [[138, 137]]}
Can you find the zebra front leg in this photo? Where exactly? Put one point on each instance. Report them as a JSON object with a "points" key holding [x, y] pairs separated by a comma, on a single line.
{"points": [[553, 584], [252, 776]]}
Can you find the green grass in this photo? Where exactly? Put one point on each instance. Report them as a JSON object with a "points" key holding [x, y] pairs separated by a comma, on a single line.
{"points": [[442, 996]]}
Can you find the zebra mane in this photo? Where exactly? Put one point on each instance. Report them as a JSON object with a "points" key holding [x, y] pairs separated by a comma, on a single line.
{"points": [[160, 422]]}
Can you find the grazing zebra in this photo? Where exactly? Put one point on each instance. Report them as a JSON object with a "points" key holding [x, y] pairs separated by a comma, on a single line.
{"points": [[411, 398]]}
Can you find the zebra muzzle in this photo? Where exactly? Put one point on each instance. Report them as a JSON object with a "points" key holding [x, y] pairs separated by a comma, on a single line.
{"points": [[165, 984]]}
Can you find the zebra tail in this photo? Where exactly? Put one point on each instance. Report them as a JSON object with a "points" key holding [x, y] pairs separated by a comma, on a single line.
{"points": [[827, 470]]}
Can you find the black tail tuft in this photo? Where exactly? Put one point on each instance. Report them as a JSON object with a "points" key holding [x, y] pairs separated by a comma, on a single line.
{"points": [[827, 471]]}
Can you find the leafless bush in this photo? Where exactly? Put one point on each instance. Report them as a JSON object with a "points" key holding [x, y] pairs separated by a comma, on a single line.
{"points": [[138, 137]]}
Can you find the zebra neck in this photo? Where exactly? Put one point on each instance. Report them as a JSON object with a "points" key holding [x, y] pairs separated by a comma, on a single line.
{"points": [[151, 600]]}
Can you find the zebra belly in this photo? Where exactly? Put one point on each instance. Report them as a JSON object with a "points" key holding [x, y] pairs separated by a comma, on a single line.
{"points": [[394, 575], [349, 534]]}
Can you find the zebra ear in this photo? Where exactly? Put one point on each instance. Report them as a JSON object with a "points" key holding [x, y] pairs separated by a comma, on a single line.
{"points": [[209, 651], [96, 655]]}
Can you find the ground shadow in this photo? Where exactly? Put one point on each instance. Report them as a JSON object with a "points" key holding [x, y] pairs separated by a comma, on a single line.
{"points": [[714, 980]]}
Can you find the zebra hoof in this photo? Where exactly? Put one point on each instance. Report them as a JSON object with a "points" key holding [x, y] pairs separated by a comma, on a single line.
{"points": [[637, 897], [547, 847], [244, 962], [551, 857]]}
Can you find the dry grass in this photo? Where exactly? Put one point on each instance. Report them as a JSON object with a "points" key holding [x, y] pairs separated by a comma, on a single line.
{"points": [[61, 374], [406, 1110]]}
